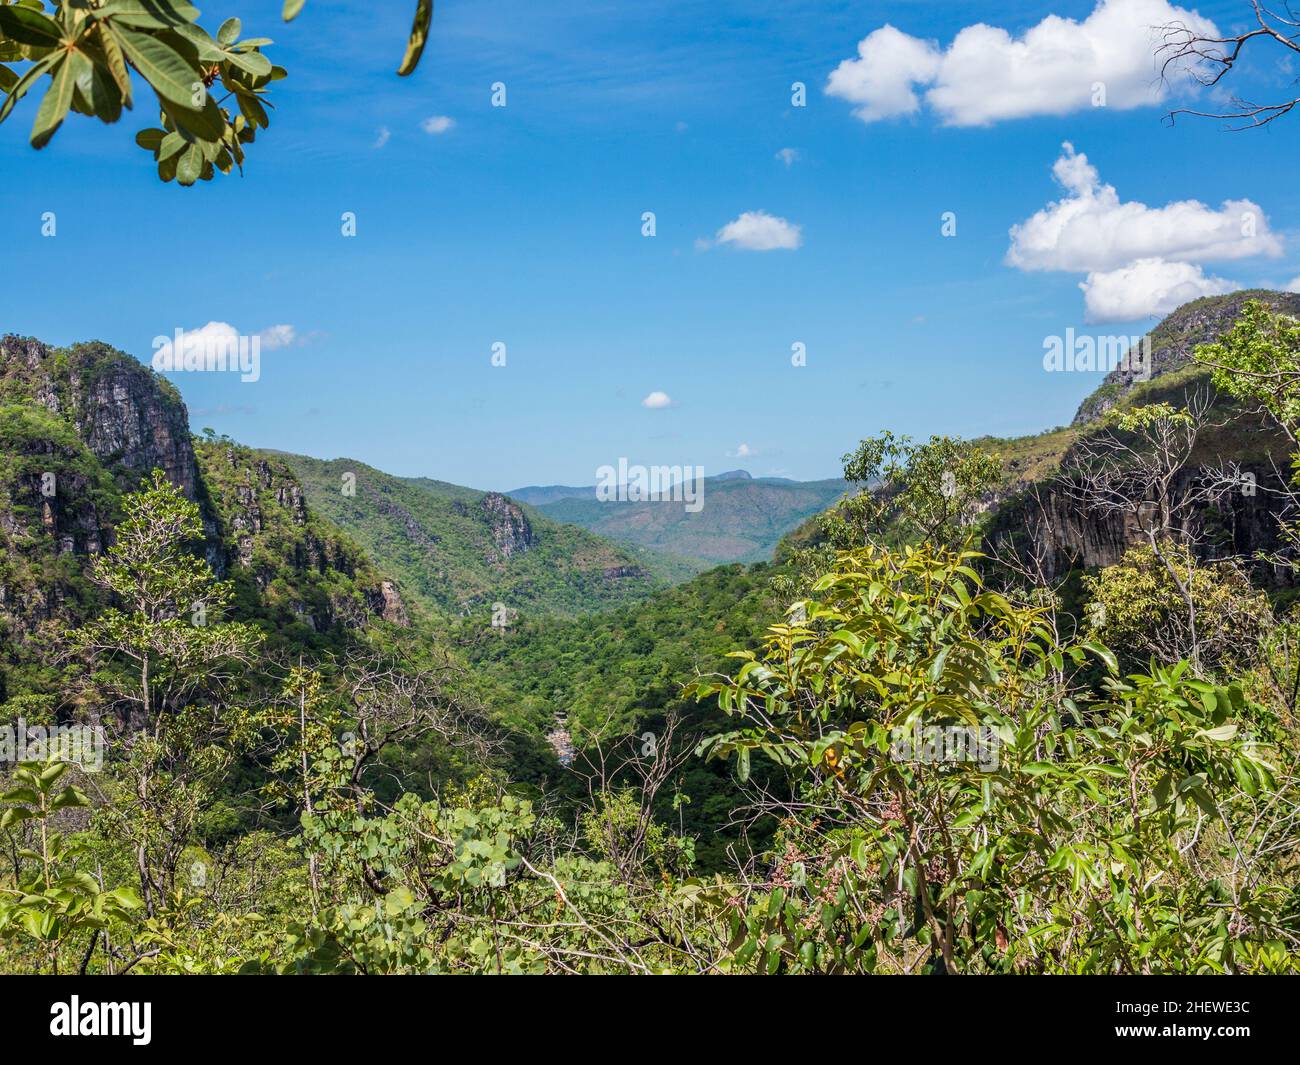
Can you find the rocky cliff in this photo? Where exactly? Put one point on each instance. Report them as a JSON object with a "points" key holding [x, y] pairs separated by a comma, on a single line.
{"points": [[511, 533], [82, 426], [1173, 341], [1041, 519]]}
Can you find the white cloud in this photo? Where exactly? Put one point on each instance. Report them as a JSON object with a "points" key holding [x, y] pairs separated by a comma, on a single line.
{"points": [[1146, 288], [278, 336], [1292, 286], [224, 337], [1091, 229], [743, 451], [657, 401], [987, 75], [789, 156], [382, 136], [880, 81], [436, 124], [760, 231]]}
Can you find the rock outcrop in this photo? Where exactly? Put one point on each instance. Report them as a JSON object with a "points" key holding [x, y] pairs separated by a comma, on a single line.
{"points": [[1050, 525], [81, 426], [511, 533], [1173, 341]]}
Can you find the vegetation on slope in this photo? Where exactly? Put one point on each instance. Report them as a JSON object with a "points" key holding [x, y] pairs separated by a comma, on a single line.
{"points": [[455, 552]]}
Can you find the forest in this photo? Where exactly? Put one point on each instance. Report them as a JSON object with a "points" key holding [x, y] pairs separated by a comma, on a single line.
{"points": [[995, 698], [911, 743]]}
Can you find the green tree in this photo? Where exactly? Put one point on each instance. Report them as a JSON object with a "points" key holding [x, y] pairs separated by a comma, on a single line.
{"points": [[165, 640], [88, 49], [53, 899], [1258, 361], [967, 804], [1136, 605], [908, 492], [165, 655]]}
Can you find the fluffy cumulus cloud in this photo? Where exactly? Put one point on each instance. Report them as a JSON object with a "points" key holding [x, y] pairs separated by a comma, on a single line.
{"points": [[1091, 229], [789, 156], [1147, 287], [657, 401], [760, 231], [1139, 260], [1293, 285], [986, 74], [882, 80], [218, 337], [436, 124]]}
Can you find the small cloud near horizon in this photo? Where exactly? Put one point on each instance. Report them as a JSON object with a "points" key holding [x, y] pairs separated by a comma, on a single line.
{"points": [[657, 401]]}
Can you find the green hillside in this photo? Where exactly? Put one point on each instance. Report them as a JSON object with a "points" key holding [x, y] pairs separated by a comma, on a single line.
{"points": [[457, 550]]}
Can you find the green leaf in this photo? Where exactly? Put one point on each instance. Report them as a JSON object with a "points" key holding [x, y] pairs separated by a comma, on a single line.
{"points": [[291, 9], [26, 82], [190, 165], [252, 110], [13, 814], [26, 26], [399, 900], [1220, 735], [149, 14], [150, 139], [116, 64], [206, 124], [1104, 653], [96, 85], [742, 764], [69, 796], [8, 79], [172, 144], [169, 74], [229, 31], [419, 35], [254, 63]]}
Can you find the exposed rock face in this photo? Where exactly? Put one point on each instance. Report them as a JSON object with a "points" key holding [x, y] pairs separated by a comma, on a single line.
{"points": [[130, 420], [1044, 521], [618, 573], [1055, 527], [262, 503], [1173, 341], [87, 423], [511, 532], [389, 604], [127, 421]]}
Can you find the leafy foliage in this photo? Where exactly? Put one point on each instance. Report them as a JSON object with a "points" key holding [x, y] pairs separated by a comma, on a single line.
{"points": [[1067, 854], [89, 48]]}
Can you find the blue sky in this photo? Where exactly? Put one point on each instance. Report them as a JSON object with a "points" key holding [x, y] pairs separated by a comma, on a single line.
{"points": [[522, 225]]}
